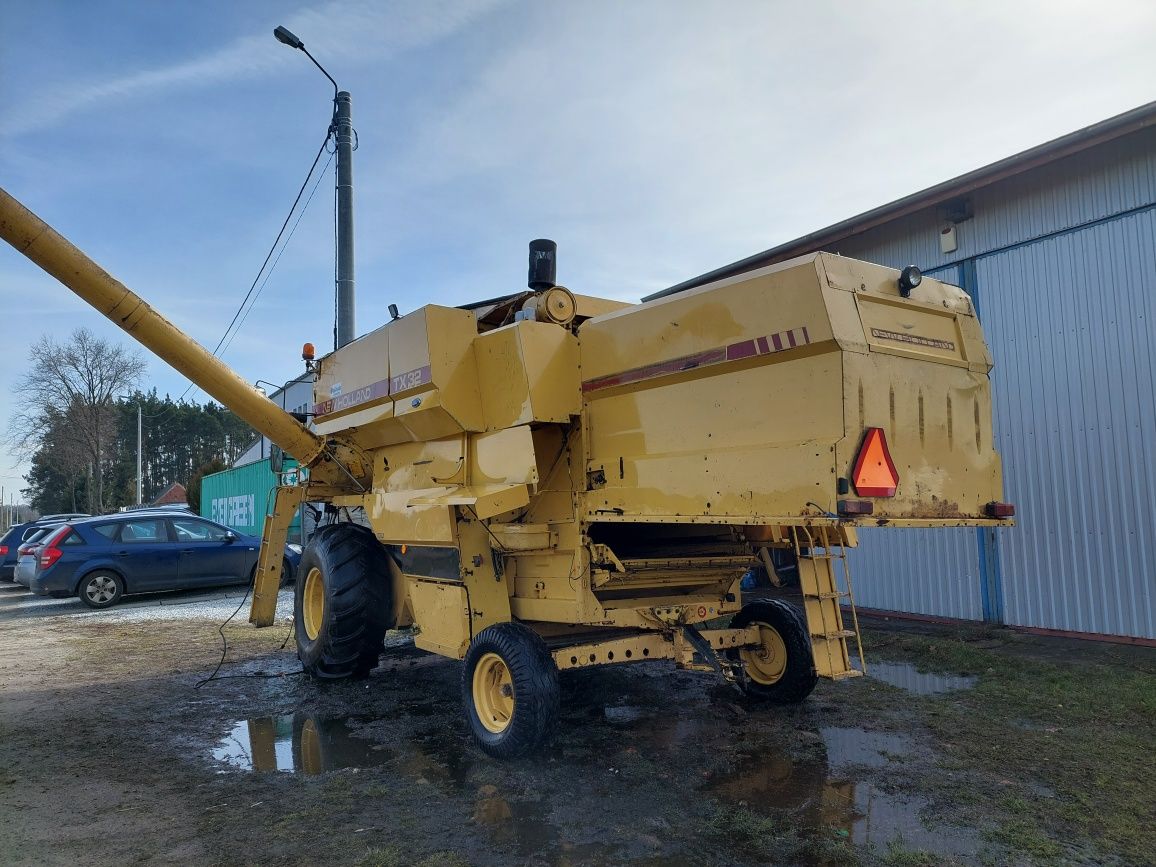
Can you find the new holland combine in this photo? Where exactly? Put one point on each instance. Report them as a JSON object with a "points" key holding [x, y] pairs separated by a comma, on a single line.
{"points": [[550, 481]]}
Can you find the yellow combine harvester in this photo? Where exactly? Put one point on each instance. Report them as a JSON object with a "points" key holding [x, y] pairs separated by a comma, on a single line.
{"points": [[550, 481]]}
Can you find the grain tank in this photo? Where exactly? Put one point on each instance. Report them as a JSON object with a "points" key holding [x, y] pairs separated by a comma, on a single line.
{"points": [[548, 481]]}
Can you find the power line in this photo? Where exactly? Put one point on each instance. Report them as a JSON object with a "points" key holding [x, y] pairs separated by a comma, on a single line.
{"points": [[272, 249], [273, 267]]}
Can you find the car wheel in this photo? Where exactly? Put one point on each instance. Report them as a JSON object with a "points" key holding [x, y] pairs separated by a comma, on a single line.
{"points": [[100, 589]]}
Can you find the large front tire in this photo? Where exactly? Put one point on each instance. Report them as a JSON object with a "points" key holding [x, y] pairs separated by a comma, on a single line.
{"points": [[510, 690], [341, 605], [780, 669]]}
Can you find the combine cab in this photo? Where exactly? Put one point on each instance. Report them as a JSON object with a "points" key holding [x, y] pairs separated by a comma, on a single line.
{"points": [[549, 481]]}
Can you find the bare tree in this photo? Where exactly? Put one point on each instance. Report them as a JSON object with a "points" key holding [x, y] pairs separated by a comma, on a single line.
{"points": [[67, 404]]}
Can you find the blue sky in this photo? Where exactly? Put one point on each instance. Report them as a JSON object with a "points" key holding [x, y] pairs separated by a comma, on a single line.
{"points": [[652, 140]]}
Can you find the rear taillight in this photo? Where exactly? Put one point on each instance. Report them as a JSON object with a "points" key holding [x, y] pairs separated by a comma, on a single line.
{"points": [[27, 549], [49, 554], [3, 550]]}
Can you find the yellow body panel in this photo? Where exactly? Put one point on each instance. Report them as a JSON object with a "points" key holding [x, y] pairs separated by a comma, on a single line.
{"points": [[441, 613], [533, 369]]}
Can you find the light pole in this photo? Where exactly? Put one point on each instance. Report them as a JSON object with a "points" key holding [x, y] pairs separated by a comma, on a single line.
{"points": [[342, 128], [139, 448]]}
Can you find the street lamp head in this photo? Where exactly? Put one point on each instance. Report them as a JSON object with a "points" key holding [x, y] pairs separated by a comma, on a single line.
{"points": [[288, 38]]}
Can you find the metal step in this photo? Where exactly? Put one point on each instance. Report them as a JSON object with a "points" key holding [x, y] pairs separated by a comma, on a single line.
{"points": [[831, 636]]}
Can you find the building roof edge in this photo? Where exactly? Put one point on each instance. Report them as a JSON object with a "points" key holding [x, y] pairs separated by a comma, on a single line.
{"points": [[1131, 121]]}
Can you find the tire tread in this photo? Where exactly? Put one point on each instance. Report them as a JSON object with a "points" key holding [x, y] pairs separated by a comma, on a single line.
{"points": [[799, 679], [353, 564]]}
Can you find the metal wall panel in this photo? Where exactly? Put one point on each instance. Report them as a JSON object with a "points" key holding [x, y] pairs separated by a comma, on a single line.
{"points": [[1066, 274], [1071, 319], [1111, 179], [919, 571]]}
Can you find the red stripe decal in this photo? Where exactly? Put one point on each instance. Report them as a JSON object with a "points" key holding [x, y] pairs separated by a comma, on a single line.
{"points": [[366, 393], [382, 388], [677, 365], [733, 352], [741, 350]]}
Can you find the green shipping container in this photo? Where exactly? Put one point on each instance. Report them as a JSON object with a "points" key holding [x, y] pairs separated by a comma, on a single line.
{"points": [[241, 498]]}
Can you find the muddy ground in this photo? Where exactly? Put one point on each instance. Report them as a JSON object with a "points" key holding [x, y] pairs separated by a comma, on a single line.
{"points": [[966, 746]]}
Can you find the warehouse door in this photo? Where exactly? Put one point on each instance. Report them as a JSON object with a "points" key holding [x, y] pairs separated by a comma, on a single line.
{"points": [[1072, 322]]}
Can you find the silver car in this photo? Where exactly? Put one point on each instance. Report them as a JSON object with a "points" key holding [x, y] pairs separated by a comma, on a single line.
{"points": [[28, 554]]}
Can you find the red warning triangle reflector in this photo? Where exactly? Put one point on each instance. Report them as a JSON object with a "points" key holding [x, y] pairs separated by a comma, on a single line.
{"points": [[874, 474]]}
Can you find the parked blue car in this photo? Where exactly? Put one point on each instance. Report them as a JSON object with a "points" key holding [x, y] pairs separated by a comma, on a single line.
{"points": [[18, 534], [102, 559]]}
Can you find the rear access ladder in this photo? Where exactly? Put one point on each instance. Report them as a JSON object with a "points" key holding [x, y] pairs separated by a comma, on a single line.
{"points": [[817, 549]]}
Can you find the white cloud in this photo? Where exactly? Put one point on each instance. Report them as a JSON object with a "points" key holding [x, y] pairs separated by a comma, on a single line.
{"points": [[364, 30]]}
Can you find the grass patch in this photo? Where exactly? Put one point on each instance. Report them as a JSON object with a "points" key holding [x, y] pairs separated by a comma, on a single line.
{"points": [[776, 839], [383, 856], [1060, 742], [392, 856], [897, 855]]}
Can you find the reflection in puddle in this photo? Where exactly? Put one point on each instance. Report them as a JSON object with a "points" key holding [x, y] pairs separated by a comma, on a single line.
{"points": [[905, 676], [819, 797], [296, 743], [521, 824], [861, 747]]}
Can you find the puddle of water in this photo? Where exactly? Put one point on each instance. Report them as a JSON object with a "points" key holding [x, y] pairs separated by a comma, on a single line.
{"points": [[854, 746], [296, 743], [905, 676], [818, 798], [521, 824]]}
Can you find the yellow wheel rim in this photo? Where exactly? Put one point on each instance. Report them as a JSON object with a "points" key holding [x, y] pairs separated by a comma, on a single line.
{"points": [[313, 603], [767, 661], [493, 690]]}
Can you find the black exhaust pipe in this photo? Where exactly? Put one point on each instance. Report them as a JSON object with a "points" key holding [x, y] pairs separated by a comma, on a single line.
{"points": [[543, 265]]}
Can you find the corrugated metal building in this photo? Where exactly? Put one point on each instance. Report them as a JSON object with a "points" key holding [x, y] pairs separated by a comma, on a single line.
{"points": [[1057, 247]]}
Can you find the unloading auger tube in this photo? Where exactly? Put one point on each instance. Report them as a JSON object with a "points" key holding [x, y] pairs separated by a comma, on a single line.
{"points": [[51, 251]]}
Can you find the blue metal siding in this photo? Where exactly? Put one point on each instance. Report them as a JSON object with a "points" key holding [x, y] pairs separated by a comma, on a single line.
{"points": [[1071, 319], [920, 571], [1064, 261]]}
